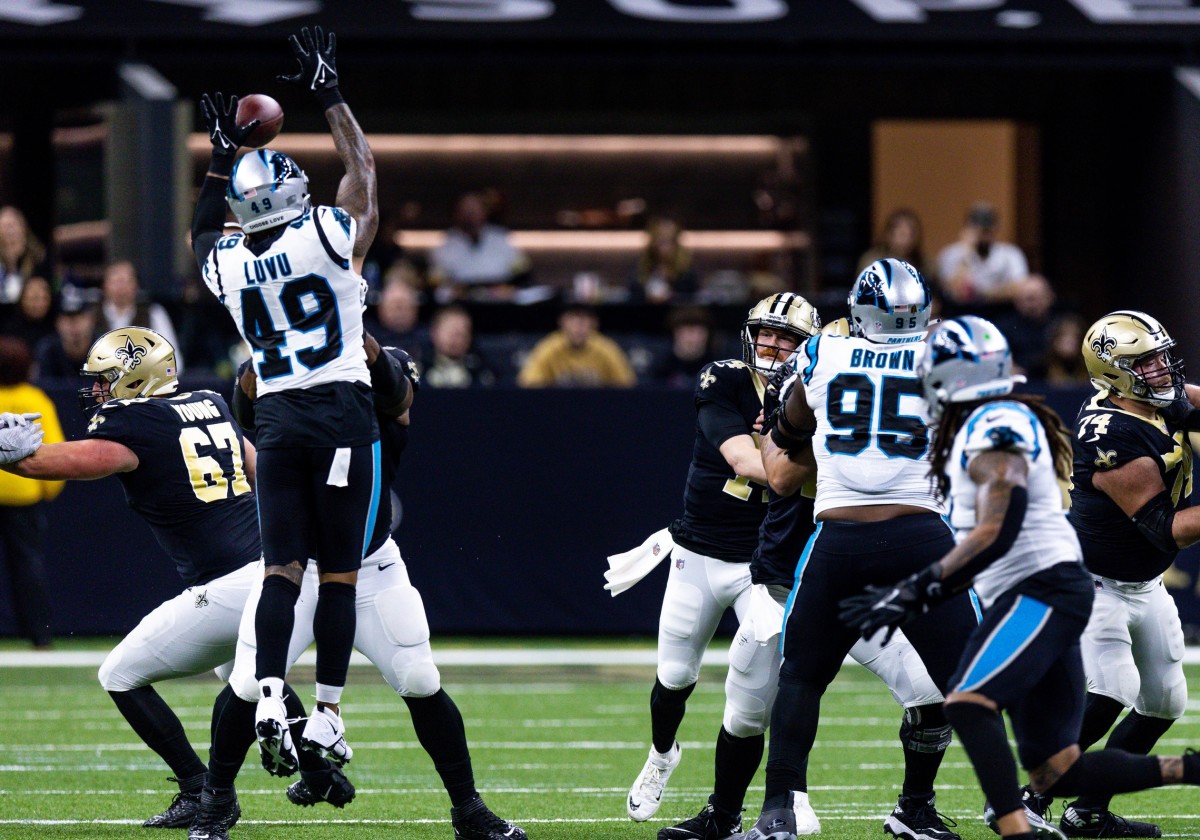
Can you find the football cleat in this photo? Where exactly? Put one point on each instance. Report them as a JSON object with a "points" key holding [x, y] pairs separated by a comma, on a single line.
{"points": [[330, 786], [1086, 822], [474, 821], [1042, 828], [275, 737], [325, 735], [179, 813], [218, 813], [917, 818], [806, 817], [709, 824], [646, 794], [775, 824]]}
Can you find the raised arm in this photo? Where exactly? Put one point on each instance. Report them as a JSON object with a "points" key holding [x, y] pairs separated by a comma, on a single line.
{"points": [[76, 459], [208, 219]]}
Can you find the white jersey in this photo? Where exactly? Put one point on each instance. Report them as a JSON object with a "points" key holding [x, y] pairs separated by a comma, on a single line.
{"points": [[872, 437], [1046, 537], [298, 304]]}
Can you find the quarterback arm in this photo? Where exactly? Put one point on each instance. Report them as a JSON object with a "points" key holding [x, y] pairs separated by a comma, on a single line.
{"points": [[357, 193], [79, 459], [1138, 490], [742, 456]]}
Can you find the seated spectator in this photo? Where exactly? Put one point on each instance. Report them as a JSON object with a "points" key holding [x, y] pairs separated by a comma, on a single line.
{"points": [[1064, 361], [577, 355], [21, 254], [120, 306], [1027, 324], [691, 348], [664, 269], [477, 260], [900, 238], [977, 268], [394, 321], [452, 362], [33, 318], [61, 356]]}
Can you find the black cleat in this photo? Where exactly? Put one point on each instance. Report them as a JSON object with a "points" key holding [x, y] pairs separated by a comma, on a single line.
{"points": [[1039, 803], [330, 786], [179, 813], [474, 821], [916, 818], [709, 824], [219, 811], [1085, 822]]}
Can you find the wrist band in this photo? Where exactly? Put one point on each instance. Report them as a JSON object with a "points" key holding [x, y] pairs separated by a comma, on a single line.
{"points": [[328, 97]]}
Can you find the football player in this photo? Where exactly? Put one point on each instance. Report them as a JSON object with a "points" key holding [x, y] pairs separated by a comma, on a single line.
{"points": [[391, 631], [999, 459], [290, 279], [1130, 507], [854, 415], [785, 529]]}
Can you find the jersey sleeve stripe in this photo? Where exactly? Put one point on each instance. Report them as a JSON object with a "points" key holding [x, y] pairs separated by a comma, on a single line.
{"points": [[811, 350], [333, 255]]}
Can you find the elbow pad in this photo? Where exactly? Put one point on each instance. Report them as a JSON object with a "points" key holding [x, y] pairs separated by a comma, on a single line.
{"points": [[1010, 528], [787, 436], [1155, 519]]}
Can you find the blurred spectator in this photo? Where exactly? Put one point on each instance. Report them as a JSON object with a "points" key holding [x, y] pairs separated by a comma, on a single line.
{"points": [[1027, 324], [394, 321], [120, 306], [22, 516], [977, 268], [33, 318], [1064, 359], [577, 355], [477, 259], [664, 269], [452, 362], [900, 238], [21, 254], [60, 356], [691, 348]]}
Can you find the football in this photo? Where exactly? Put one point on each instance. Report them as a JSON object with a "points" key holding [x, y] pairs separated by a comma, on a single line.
{"points": [[259, 106]]}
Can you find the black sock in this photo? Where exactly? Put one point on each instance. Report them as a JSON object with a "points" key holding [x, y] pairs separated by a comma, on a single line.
{"points": [[981, 732], [793, 730], [737, 761], [309, 761], [1191, 768], [439, 728], [925, 735], [1099, 715], [1108, 772], [155, 723], [333, 631], [273, 623], [1024, 835], [1134, 734], [232, 735], [667, 706]]}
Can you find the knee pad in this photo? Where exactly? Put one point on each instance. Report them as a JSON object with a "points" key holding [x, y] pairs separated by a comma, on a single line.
{"points": [[925, 729], [114, 676], [677, 668], [243, 682], [746, 715], [415, 673], [750, 685], [1169, 701]]}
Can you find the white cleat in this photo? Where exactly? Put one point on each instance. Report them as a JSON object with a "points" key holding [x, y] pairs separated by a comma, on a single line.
{"points": [[325, 735], [646, 794], [806, 817], [275, 737]]}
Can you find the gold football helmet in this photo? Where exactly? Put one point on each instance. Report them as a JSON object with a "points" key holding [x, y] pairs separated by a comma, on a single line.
{"points": [[784, 311], [128, 363], [1116, 348]]}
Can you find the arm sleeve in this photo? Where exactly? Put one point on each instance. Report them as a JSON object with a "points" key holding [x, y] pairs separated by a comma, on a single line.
{"points": [[208, 219], [390, 386], [716, 408], [243, 406], [1010, 528]]}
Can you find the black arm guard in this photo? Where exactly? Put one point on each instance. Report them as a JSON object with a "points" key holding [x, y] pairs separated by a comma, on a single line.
{"points": [[1009, 529], [208, 219], [390, 385], [243, 406], [1154, 520], [787, 436]]}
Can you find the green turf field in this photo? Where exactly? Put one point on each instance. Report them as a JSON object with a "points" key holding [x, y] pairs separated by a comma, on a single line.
{"points": [[555, 749]]}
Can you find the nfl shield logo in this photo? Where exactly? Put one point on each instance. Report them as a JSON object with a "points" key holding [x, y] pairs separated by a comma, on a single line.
{"points": [[656, 550], [678, 562]]}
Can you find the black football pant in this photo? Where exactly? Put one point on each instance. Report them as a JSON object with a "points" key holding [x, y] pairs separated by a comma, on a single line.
{"points": [[840, 560]]}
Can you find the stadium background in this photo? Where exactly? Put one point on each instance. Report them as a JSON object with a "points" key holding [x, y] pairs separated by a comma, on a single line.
{"points": [[511, 499]]}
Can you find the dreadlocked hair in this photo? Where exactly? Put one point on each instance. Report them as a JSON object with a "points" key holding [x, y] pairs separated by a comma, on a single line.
{"points": [[955, 414]]}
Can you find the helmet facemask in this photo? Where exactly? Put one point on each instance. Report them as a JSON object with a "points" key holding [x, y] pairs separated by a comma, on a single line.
{"points": [[785, 313]]}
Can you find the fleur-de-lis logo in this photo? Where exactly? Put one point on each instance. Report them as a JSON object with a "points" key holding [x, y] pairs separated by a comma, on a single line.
{"points": [[707, 379], [97, 419], [131, 354], [1103, 344], [1106, 460]]}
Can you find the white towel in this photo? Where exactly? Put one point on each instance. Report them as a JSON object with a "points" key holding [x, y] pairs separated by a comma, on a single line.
{"points": [[627, 568], [339, 470], [766, 613]]}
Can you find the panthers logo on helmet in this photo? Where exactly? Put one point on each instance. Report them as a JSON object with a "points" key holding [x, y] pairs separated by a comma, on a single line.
{"points": [[949, 344], [1103, 344], [870, 290], [131, 354]]}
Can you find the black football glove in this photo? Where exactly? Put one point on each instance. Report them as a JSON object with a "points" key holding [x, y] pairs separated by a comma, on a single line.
{"points": [[890, 607], [224, 132], [408, 365], [317, 58], [1182, 414]]}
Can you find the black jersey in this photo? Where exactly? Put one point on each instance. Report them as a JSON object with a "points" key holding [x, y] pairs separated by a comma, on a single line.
{"points": [[782, 537], [1107, 437], [189, 484], [393, 438], [722, 510]]}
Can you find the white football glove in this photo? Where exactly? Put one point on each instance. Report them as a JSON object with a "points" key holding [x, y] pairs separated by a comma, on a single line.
{"points": [[17, 442], [8, 420]]}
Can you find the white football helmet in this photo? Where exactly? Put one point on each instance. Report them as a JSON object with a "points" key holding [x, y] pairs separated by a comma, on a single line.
{"points": [[890, 303], [267, 189], [965, 359]]}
